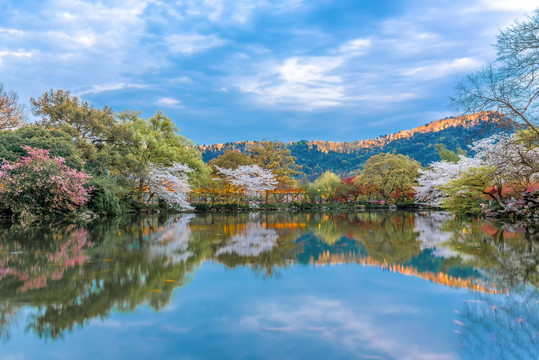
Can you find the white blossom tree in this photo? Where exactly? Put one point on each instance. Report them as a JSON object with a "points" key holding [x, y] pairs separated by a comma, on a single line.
{"points": [[252, 179], [170, 183], [512, 163], [439, 174]]}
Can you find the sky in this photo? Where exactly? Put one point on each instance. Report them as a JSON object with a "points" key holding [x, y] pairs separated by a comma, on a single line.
{"points": [[232, 70]]}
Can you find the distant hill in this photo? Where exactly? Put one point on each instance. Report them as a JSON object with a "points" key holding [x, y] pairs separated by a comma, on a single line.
{"points": [[344, 157]]}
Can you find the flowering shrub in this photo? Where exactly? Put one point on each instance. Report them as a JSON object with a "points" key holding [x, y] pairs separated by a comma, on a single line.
{"points": [[41, 185]]}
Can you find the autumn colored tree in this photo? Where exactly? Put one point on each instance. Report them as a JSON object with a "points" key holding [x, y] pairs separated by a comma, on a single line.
{"points": [[348, 190], [274, 156], [11, 113], [231, 159]]}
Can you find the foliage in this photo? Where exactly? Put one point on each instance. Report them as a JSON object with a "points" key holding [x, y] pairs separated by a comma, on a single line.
{"points": [[105, 196], [448, 155], [391, 175], [95, 131], [11, 113], [170, 183], [38, 184], [326, 185], [56, 141], [465, 193], [156, 141], [503, 165], [509, 85], [348, 190], [315, 160], [275, 157], [438, 174], [231, 159]]}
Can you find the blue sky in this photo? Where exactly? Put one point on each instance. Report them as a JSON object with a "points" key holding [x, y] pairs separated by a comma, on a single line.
{"points": [[227, 70]]}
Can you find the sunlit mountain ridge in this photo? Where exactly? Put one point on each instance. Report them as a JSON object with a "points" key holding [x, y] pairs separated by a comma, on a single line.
{"points": [[317, 156]]}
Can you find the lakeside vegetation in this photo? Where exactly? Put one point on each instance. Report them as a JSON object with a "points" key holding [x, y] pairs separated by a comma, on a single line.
{"points": [[78, 158]]}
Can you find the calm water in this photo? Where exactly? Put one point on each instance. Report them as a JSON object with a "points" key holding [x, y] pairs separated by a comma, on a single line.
{"points": [[368, 285]]}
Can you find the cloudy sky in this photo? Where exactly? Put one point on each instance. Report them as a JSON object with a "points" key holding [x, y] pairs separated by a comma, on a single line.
{"points": [[227, 70]]}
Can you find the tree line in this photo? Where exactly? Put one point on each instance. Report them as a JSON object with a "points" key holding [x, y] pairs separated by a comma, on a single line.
{"points": [[77, 157]]}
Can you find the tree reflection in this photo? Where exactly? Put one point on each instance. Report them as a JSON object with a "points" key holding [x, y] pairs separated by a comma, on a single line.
{"points": [[133, 264], [500, 327], [508, 254], [72, 274]]}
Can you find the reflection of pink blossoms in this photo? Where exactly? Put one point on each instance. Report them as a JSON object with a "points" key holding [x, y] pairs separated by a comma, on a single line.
{"points": [[36, 269], [39, 184]]}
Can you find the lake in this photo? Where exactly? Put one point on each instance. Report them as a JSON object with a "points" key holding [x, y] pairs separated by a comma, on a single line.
{"points": [[315, 285]]}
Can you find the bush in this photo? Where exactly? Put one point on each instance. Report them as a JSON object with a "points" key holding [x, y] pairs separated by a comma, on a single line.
{"points": [[38, 184], [105, 197]]}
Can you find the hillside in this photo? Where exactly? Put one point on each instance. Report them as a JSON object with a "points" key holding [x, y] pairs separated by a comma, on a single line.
{"points": [[344, 157]]}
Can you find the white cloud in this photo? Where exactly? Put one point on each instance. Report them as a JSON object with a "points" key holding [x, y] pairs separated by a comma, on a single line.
{"points": [[436, 70], [11, 31], [307, 82], [19, 54], [234, 12], [168, 102], [355, 46], [96, 89], [505, 5], [15, 54], [192, 43], [186, 80], [355, 329]]}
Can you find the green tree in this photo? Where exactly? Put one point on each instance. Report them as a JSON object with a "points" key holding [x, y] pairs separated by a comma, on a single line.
{"points": [[326, 185], [156, 140], [466, 193], [448, 155], [390, 174], [97, 134], [58, 142]]}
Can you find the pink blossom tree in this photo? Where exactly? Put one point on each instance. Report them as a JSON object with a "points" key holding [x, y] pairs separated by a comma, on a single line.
{"points": [[39, 184]]}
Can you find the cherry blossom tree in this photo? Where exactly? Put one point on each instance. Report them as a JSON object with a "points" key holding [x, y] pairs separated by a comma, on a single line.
{"points": [[252, 179], [505, 162], [439, 174], [513, 161], [170, 183]]}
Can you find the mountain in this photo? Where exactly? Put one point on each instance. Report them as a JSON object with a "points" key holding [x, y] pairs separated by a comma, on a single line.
{"points": [[344, 157]]}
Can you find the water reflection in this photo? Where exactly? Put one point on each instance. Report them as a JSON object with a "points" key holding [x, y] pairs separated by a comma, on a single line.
{"points": [[68, 275]]}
